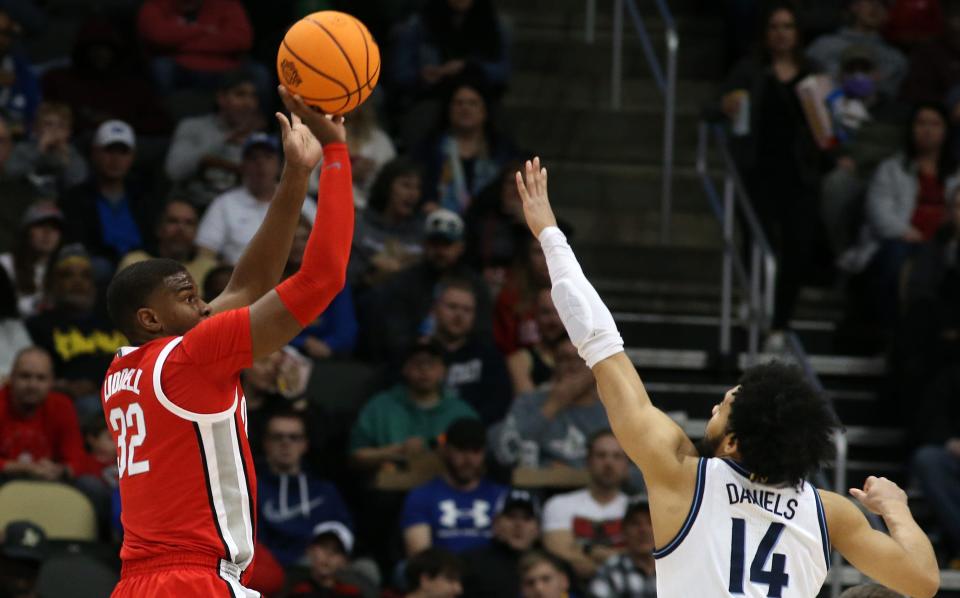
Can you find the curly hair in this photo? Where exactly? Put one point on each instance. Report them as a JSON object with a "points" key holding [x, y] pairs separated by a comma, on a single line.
{"points": [[782, 425]]}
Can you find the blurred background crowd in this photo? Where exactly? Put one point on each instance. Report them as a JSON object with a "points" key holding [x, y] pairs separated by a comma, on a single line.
{"points": [[434, 433]]}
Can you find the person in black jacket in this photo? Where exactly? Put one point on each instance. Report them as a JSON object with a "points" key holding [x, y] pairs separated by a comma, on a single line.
{"points": [[492, 571]]}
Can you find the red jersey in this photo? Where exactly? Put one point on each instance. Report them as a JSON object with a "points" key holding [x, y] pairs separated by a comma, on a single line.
{"points": [[176, 410]]}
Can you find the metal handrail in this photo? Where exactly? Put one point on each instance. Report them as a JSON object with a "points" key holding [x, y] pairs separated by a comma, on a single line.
{"points": [[666, 82], [756, 282]]}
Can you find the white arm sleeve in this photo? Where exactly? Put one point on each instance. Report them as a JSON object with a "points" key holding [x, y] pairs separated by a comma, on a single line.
{"points": [[587, 320]]}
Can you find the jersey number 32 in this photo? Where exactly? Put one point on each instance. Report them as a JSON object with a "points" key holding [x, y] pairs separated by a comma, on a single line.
{"points": [[130, 421]]}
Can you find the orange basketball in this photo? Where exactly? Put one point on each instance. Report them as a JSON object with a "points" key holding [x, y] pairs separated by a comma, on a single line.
{"points": [[329, 59]]}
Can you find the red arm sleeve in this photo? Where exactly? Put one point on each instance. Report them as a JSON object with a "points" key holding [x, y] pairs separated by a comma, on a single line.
{"points": [[324, 268]]}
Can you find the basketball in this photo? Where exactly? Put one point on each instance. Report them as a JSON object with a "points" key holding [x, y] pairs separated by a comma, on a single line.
{"points": [[329, 59]]}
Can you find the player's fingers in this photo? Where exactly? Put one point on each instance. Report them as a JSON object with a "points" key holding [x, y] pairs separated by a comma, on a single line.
{"points": [[531, 182], [543, 179], [338, 119], [295, 120], [284, 124], [858, 494], [521, 188]]}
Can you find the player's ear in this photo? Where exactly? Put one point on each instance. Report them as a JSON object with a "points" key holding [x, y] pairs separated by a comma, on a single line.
{"points": [[729, 446], [149, 320]]}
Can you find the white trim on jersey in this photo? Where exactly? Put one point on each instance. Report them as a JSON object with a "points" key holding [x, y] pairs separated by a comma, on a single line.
{"points": [[170, 406], [228, 572]]}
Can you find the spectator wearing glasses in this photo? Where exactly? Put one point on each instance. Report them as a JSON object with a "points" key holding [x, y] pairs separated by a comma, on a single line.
{"points": [[290, 501]]}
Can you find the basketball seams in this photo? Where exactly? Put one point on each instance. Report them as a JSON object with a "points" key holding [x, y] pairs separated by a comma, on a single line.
{"points": [[366, 51], [322, 74], [346, 57], [349, 93]]}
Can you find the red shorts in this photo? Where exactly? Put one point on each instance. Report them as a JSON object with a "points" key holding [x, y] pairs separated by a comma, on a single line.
{"points": [[180, 576]]}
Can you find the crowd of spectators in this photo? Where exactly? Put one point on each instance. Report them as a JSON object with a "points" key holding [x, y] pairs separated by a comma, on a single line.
{"points": [[402, 480], [874, 203]]}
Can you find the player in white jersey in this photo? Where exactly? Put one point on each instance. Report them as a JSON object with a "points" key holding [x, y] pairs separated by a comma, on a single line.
{"points": [[741, 520]]}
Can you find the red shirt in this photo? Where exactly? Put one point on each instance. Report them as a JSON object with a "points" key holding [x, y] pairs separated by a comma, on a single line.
{"points": [[213, 41], [931, 206], [187, 484], [52, 432], [514, 324]]}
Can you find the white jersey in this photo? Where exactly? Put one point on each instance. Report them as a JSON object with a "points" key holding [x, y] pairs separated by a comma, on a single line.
{"points": [[741, 538]]}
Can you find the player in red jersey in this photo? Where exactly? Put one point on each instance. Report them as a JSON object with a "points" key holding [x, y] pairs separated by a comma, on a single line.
{"points": [[174, 402]]}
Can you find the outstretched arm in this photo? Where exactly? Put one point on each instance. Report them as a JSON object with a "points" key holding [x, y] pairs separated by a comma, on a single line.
{"points": [[651, 439], [262, 262], [281, 314], [904, 561]]}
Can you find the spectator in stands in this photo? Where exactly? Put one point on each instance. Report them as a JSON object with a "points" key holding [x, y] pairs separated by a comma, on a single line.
{"points": [[492, 571], [48, 158], [935, 67], [466, 154], [334, 333], [39, 432], [446, 40], [175, 238], [216, 281], [405, 420], [494, 223], [39, 237], [543, 576], [206, 152], [290, 501], [370, 150], [102, 62], [779, 159], [434, 573], [515, 311], [234, 217], [532, 366], [476, 371], [13, 334], [867, 20], [17, 191], [455, 510], [22, 554], [905, 205], [109, 214], [80, 338], [270, 385], [19, 88], [330, 573], [389, 233], [551, 426], [194, 41], [584, 527], [101, 451], [912, 23], [937, 466], [631, 574], [393, 315]]}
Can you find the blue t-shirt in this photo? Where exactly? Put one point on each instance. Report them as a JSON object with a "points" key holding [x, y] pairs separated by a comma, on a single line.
{"points": [[458, 520], [119, 229]]}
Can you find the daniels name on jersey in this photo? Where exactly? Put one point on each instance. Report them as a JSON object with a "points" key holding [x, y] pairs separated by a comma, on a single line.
{"points": [[742, 538]]}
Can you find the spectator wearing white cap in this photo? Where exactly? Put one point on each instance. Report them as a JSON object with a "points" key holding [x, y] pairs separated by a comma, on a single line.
{"points": [[39, 237], [234, 217], [331, 575], [108, 213]]}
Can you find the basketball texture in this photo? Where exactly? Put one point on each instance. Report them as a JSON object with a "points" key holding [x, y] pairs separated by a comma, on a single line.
{"points": [[329, 59]]}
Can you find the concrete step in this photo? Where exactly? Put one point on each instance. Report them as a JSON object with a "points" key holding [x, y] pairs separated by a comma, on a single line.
{"points": [[640, 227], [592, 90], [622, 187]]}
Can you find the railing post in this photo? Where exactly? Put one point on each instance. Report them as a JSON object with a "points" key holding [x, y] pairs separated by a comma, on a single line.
{"points": [[726, 293], [590, 22], [616, 75], [840, 487], [753, 340], [670, 100]]}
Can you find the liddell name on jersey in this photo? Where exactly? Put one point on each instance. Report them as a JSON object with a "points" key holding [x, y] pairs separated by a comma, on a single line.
{"points": [[128, 379], [767, 500]]}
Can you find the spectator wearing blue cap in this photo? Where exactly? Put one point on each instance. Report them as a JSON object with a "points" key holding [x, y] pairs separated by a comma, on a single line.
{"points": [[493, 571], [109, 214], [234, 217]]}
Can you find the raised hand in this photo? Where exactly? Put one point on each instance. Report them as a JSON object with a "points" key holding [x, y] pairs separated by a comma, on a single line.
{"points": [[879, 494], [326, 128], [533, 195], [300, 148]]}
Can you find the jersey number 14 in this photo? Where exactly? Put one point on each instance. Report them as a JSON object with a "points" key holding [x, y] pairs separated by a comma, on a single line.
{"points": [[775, 578]]}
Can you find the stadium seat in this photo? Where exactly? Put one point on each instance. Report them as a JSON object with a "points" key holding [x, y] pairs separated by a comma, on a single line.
{"points": [[78, 575], [342, 386], [63, 512]]}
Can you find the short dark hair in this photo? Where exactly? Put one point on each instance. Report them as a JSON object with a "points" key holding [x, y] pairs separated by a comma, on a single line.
{"points": [[383, 184], [602, 433], [782, 425], [130, 289], [455, 282], [287, 414], [534, 557], [432, 562]]}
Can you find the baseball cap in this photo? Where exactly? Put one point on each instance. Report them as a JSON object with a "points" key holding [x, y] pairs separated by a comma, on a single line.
{"points": [[115, 131], [71, 252], [424, 346], [519, 498], [24, 541], [41, 211], [444, 224], [466, 433], [261, 140], [337, 530]]}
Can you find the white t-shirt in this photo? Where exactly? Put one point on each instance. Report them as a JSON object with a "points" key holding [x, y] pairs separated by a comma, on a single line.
{"points": [[232, 220], [590, 521], [27, 305]]}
